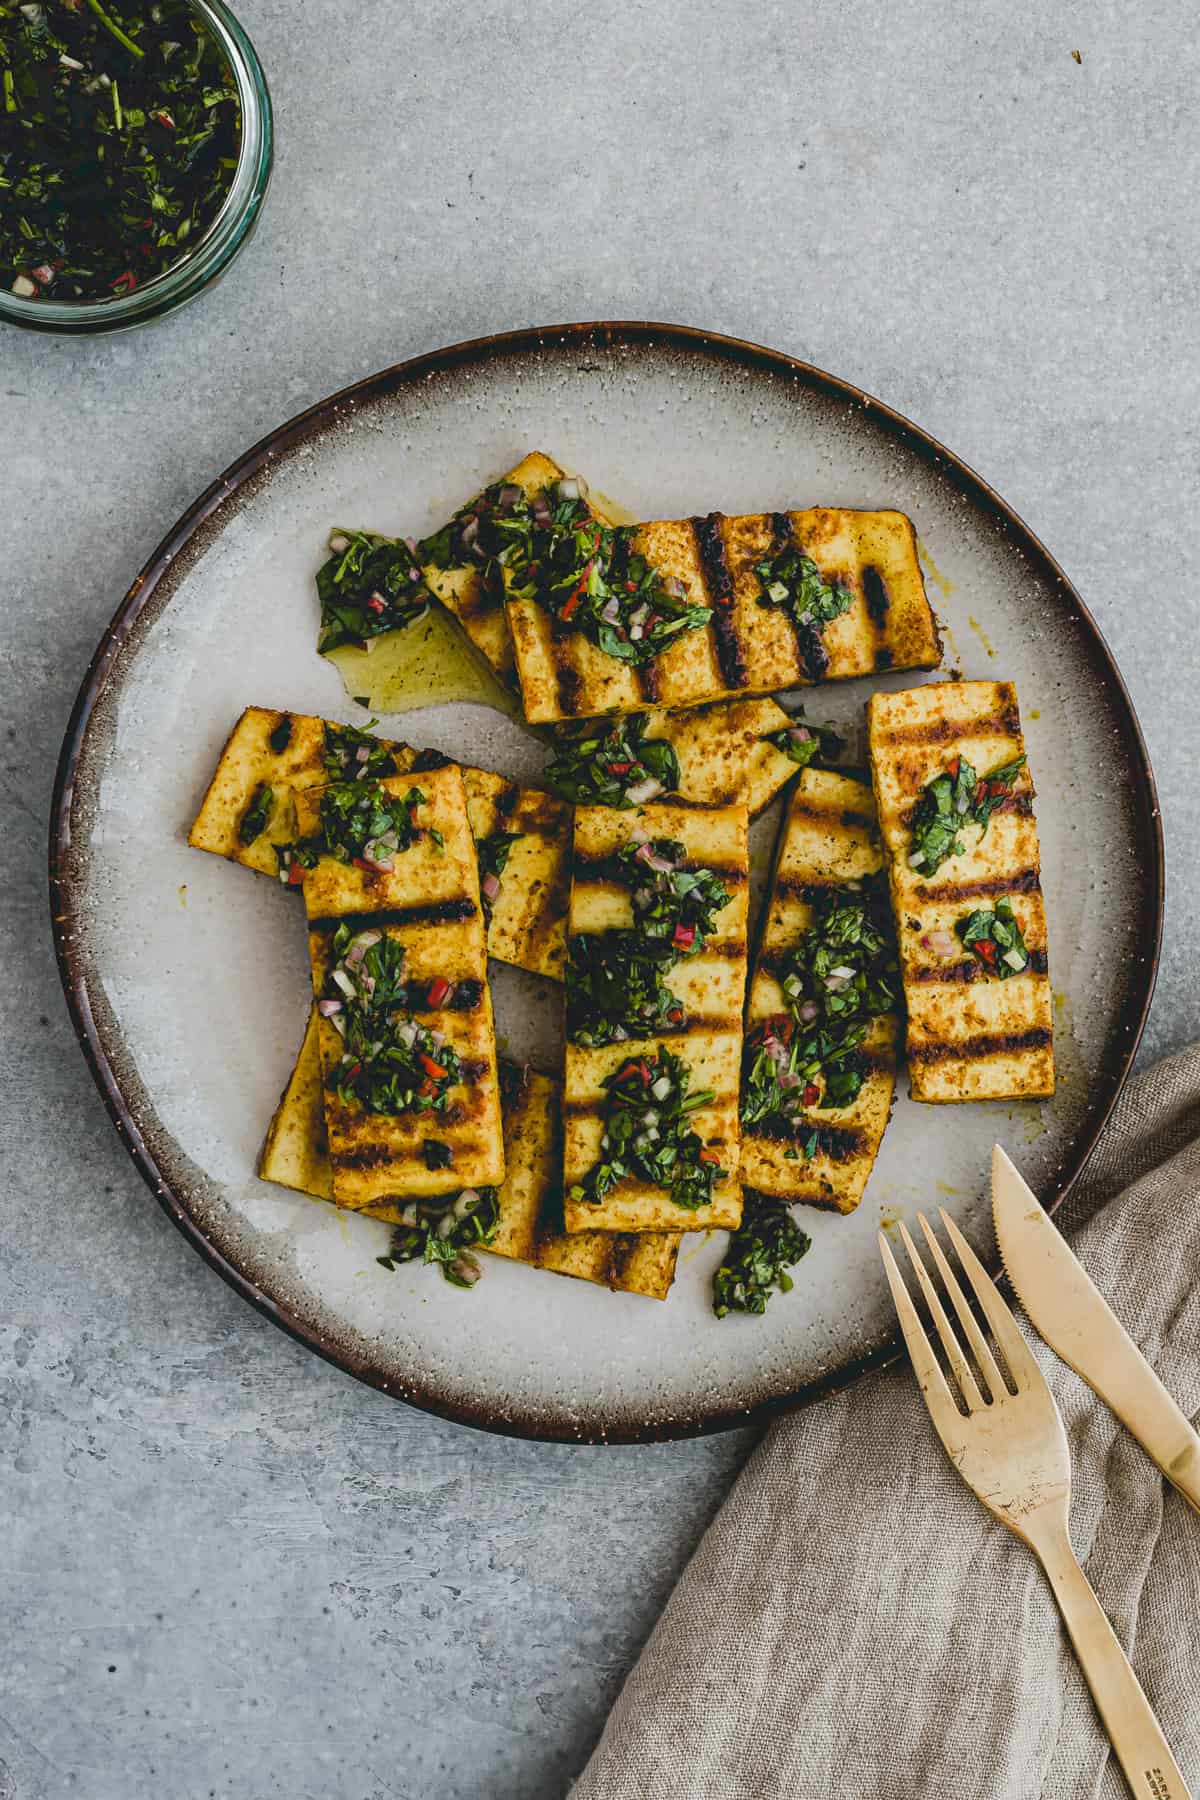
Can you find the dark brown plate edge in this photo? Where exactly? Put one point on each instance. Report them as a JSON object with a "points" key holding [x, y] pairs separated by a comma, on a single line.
{"points": [[619, 333]]}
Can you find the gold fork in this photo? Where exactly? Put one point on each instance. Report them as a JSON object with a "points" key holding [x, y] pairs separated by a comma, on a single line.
{"points": [[1011, 1450]]}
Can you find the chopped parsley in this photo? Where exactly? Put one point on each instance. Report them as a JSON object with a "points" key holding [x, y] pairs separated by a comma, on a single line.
{"points": [[792, 581], [669, 901], [589, 578], [354, 755], [618, 767], [120, 130], [445, 1232], [253, 821], [840, 974], [616, 987], [766, 1244], [994, 937], [805, 743], [478, 533], [369, 585], [390, 1063], [956, 798], [616, 980], [362, 823], [493, 853], [647, 1135]]}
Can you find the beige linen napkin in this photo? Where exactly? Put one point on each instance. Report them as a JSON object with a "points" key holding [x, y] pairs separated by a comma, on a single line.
{"points": [[853, 1622]]}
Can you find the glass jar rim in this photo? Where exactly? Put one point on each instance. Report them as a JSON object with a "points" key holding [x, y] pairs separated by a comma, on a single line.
{"points": [[215, 248]]}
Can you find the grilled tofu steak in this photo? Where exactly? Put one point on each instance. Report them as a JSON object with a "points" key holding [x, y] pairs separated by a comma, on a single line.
{"points": [[656, 971], [296, 1155], [248, 816], [822, 1017], [955, 805], [460, 567], [399, 963], [682, 611], [732, 753]]}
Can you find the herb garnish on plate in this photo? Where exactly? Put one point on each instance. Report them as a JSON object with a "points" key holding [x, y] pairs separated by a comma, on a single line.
{"points": [[618, 766], [993, 935], [356, 755], [647, 1135], [840, 974], [120, 129], [805, 743], [368, 585], [760, 1252], [391, 1063], [952, 800], [616, 987], [589, 578], [444, 1232], [361, 823]]}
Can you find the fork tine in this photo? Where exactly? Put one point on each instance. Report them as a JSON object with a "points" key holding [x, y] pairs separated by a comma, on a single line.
{"points": [[966, 1318], [1017, 1353], [950, 1343], [930, 1379]]}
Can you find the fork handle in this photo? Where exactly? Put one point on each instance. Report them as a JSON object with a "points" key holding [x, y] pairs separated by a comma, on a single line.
{"points": [[1135, 1734]]}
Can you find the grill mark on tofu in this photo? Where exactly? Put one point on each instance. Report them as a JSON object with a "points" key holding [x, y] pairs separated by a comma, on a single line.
{"points": [[878, 599], [1020, 804], [604, 870], [280, 735], [988, 1043], [1004, 722], [425, 762], [810, 645], [840, 1143], [481, 596], [829, 817], [718, 579], [971, 969], [1027, 881], [437, 912]]}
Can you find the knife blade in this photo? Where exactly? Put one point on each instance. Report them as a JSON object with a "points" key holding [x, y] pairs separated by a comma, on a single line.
{"points": [[1077, 1322]]}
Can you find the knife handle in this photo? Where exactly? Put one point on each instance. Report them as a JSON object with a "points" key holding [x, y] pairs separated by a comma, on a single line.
{"points": [[1133, 1730], [1184, 1471]]}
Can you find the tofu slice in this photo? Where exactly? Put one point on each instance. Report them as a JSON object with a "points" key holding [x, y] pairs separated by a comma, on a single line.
{"points": [[724, 750], [971, 1034], [286, 752], [430, 904], [475, 602], [828, 840], [708, 1038], [296, 1155], [747, 647]]}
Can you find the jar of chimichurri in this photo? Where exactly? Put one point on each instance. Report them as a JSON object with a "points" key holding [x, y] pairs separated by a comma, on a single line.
{"points": [[135, 154]]}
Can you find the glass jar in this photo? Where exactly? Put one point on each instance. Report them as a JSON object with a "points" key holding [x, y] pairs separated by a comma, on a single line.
{"points": [[211, 254]]}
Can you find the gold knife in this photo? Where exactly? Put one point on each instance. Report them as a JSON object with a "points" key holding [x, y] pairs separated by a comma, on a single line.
{"points": [[1079, 1325]]}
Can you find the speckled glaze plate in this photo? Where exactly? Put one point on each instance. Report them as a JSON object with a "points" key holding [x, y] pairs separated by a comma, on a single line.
{"points": [[188, 977]]}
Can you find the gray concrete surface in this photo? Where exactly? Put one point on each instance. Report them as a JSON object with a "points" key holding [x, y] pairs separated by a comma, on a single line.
{"points": [[224, 1568]]}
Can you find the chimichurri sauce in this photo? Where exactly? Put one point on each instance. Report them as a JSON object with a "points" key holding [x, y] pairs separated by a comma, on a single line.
{"points": [[119, 135]]}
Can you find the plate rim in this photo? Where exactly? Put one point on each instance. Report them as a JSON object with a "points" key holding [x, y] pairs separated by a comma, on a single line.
{"points": [[532, 1424]]}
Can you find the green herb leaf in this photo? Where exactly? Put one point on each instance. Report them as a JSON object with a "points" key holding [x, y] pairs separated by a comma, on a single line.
{"points": [[391, 1063], [362, 822], [493, 853], [603, 767], [951, 801], [840, 974], [767, 1243], [647, 1135], [994, 935], [369, 585], [792, 581], [445, 1232], [590, 579], [805, 744], [351, 754]]}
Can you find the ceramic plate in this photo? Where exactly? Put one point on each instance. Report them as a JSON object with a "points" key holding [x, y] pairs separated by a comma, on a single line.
{"points": [[188, 977]]}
